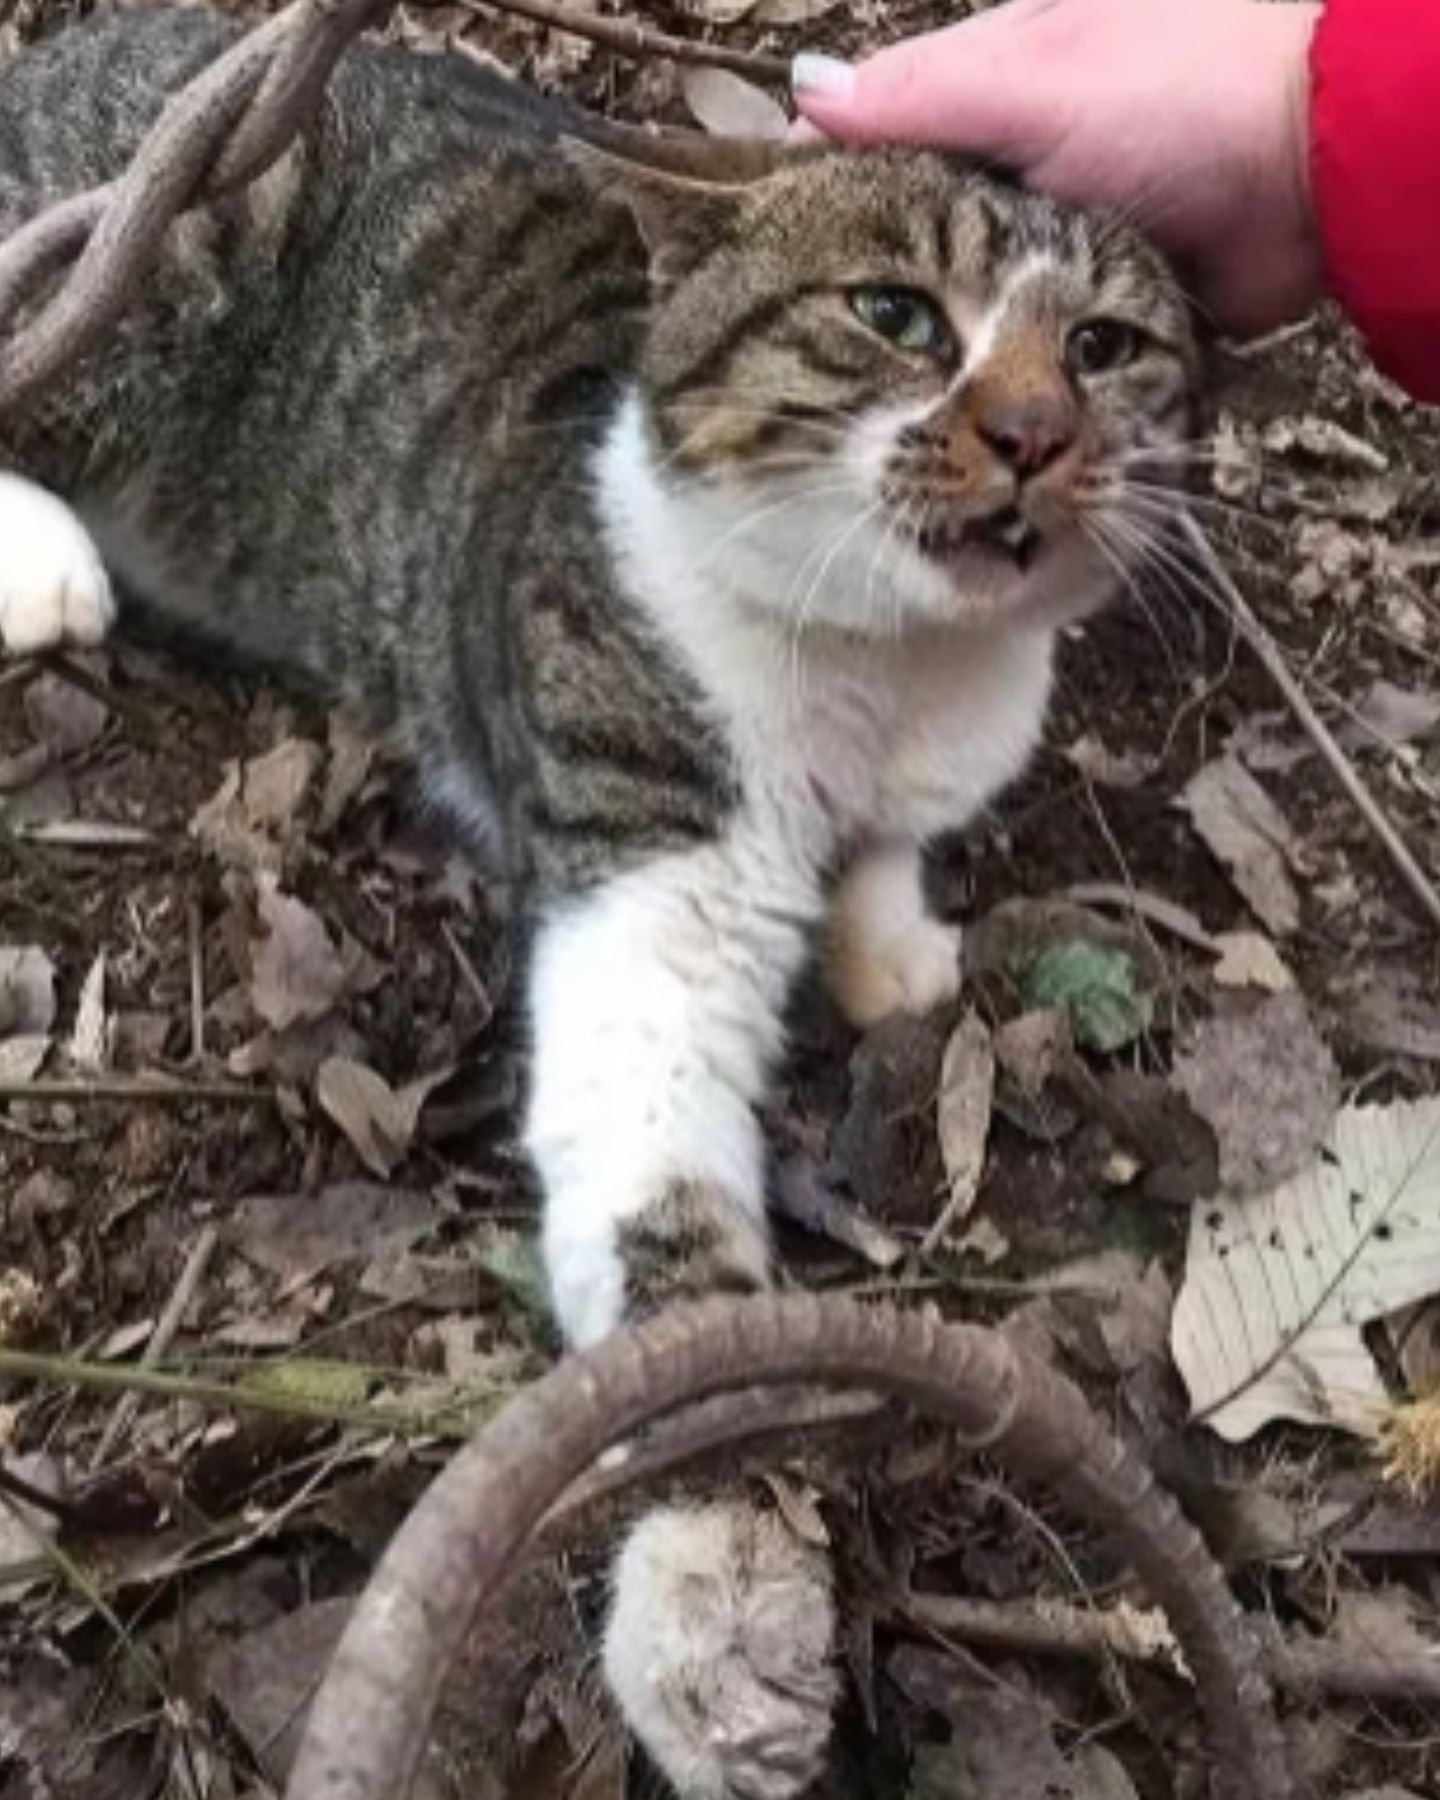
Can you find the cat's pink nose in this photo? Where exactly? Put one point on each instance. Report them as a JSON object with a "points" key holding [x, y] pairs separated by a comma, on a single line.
{"points": [[1028, 434]]}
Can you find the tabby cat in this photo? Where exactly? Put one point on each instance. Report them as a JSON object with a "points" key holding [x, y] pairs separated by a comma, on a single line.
{"points": [[702, 521]]}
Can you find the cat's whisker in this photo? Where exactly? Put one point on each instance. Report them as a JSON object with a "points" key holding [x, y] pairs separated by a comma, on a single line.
{"points": [[1119, 557], [1179, 575], [1171, 502]]}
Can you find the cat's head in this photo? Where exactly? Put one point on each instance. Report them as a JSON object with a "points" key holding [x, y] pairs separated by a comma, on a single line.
{"points": [[895, 386]]}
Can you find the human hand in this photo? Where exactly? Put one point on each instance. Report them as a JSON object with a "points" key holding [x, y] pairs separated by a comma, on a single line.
{"points": [[1190, 119]]}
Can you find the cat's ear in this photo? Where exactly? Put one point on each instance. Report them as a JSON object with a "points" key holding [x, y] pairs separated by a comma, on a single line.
{"points": [[683, 191]]}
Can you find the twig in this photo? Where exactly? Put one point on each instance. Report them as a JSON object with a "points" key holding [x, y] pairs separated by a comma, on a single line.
{"points": [[1057, 1628], [639, 41], [161, 1338], [1237, 608], [457, 1417], [135, 714], [469, 974], [136, 1087], [194, 930]]}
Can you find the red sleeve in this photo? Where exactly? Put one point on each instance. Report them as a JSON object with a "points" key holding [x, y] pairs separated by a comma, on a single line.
{"points": [[1375, 164]]}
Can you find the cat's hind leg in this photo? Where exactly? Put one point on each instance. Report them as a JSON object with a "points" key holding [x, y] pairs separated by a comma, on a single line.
{"points": [[53, 586], [657, 1014]]}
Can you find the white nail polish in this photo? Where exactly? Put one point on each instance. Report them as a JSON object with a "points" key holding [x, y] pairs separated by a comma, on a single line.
{"points": [[824, 77]]}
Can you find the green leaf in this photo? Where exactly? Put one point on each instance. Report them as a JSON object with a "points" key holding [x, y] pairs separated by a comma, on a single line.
{"points": [[1096, 986]]}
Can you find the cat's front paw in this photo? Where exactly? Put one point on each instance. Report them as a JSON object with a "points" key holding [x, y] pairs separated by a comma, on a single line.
{"points": [[53, 586], [915, 970], [720, 1650]]}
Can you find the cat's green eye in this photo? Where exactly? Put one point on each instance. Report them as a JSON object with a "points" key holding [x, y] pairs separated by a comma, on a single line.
{"points": [[1100, 345], [907, 319]]}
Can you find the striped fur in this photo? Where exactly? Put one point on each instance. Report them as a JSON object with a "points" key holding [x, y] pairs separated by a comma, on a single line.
{"points": [[702, 520]]}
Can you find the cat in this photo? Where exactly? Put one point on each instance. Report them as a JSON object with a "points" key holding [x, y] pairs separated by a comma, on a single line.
{"points": [[703, 520]]}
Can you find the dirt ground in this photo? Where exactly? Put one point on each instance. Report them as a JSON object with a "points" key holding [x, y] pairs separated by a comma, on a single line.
{"points": [[258, 1080]]}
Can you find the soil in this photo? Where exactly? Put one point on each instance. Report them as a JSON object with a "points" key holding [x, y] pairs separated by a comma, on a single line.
{"points": [[361, 1255]]}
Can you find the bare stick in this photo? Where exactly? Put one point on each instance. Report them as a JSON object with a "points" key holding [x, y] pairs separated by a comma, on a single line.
{"points": [[195, 931], [136, 1087], [1309, 1666], [639, 41], [1268, 651], [161, 1338], [251, 1395]]}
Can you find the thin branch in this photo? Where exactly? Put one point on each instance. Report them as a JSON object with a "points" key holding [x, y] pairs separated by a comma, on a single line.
{"points": [[136, 1087], [452, 1418], [1308, 1666], [1237, 608], [161, 1338], [627, 38]]}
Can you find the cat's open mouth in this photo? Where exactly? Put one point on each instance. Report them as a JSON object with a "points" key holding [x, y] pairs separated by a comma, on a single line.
{"points": [[1006, 536]]}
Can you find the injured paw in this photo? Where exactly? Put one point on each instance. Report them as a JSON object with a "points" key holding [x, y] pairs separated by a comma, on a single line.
{"points": [[53, 586], [720, 1650]]}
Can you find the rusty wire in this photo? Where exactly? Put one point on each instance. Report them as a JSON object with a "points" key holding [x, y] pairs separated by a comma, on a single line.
{"points": [[215, 135], [368, 1728]]}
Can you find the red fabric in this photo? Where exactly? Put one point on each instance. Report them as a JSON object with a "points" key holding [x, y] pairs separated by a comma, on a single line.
{"points": [[1375, 163]]}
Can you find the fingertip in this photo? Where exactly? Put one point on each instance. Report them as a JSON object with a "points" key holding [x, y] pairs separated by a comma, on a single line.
{"points": [[820, 81]]}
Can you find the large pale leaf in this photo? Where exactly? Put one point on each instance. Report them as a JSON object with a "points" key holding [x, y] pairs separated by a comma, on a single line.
{"points": [[1278, 1286]]}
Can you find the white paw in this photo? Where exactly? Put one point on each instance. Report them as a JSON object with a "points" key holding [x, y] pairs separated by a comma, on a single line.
{"points": [[53, 586], [914, 971], [720, 1650]]}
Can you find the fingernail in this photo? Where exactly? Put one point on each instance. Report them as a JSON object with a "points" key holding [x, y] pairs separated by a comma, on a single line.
{"points": [[823, 77]]}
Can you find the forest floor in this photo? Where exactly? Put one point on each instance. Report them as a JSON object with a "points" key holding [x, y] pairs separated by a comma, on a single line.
{"points": [[258, 1078]]}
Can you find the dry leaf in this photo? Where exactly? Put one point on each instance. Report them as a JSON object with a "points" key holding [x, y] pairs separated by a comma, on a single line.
{"points": [[1326, 441], [798, 1503], [1392, 715], [1091, 757], [89, 1044], [252, 815], [62, 716], [1249, 959], [803, 1194], [1035, 1046], [27, 1010], [1245, 830], [717, 12], [1278, 1287], [983, 1238], [379, 1120], [1003, 1744], [351, 752], [729, 106], [792, 12], [25, 1531], [295, 1236], [299, 971], [962, 1114], [1383, 1621], [266, 1679], [1265, 1083], [25, 766], [1390, 1010], [27, 990]]}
